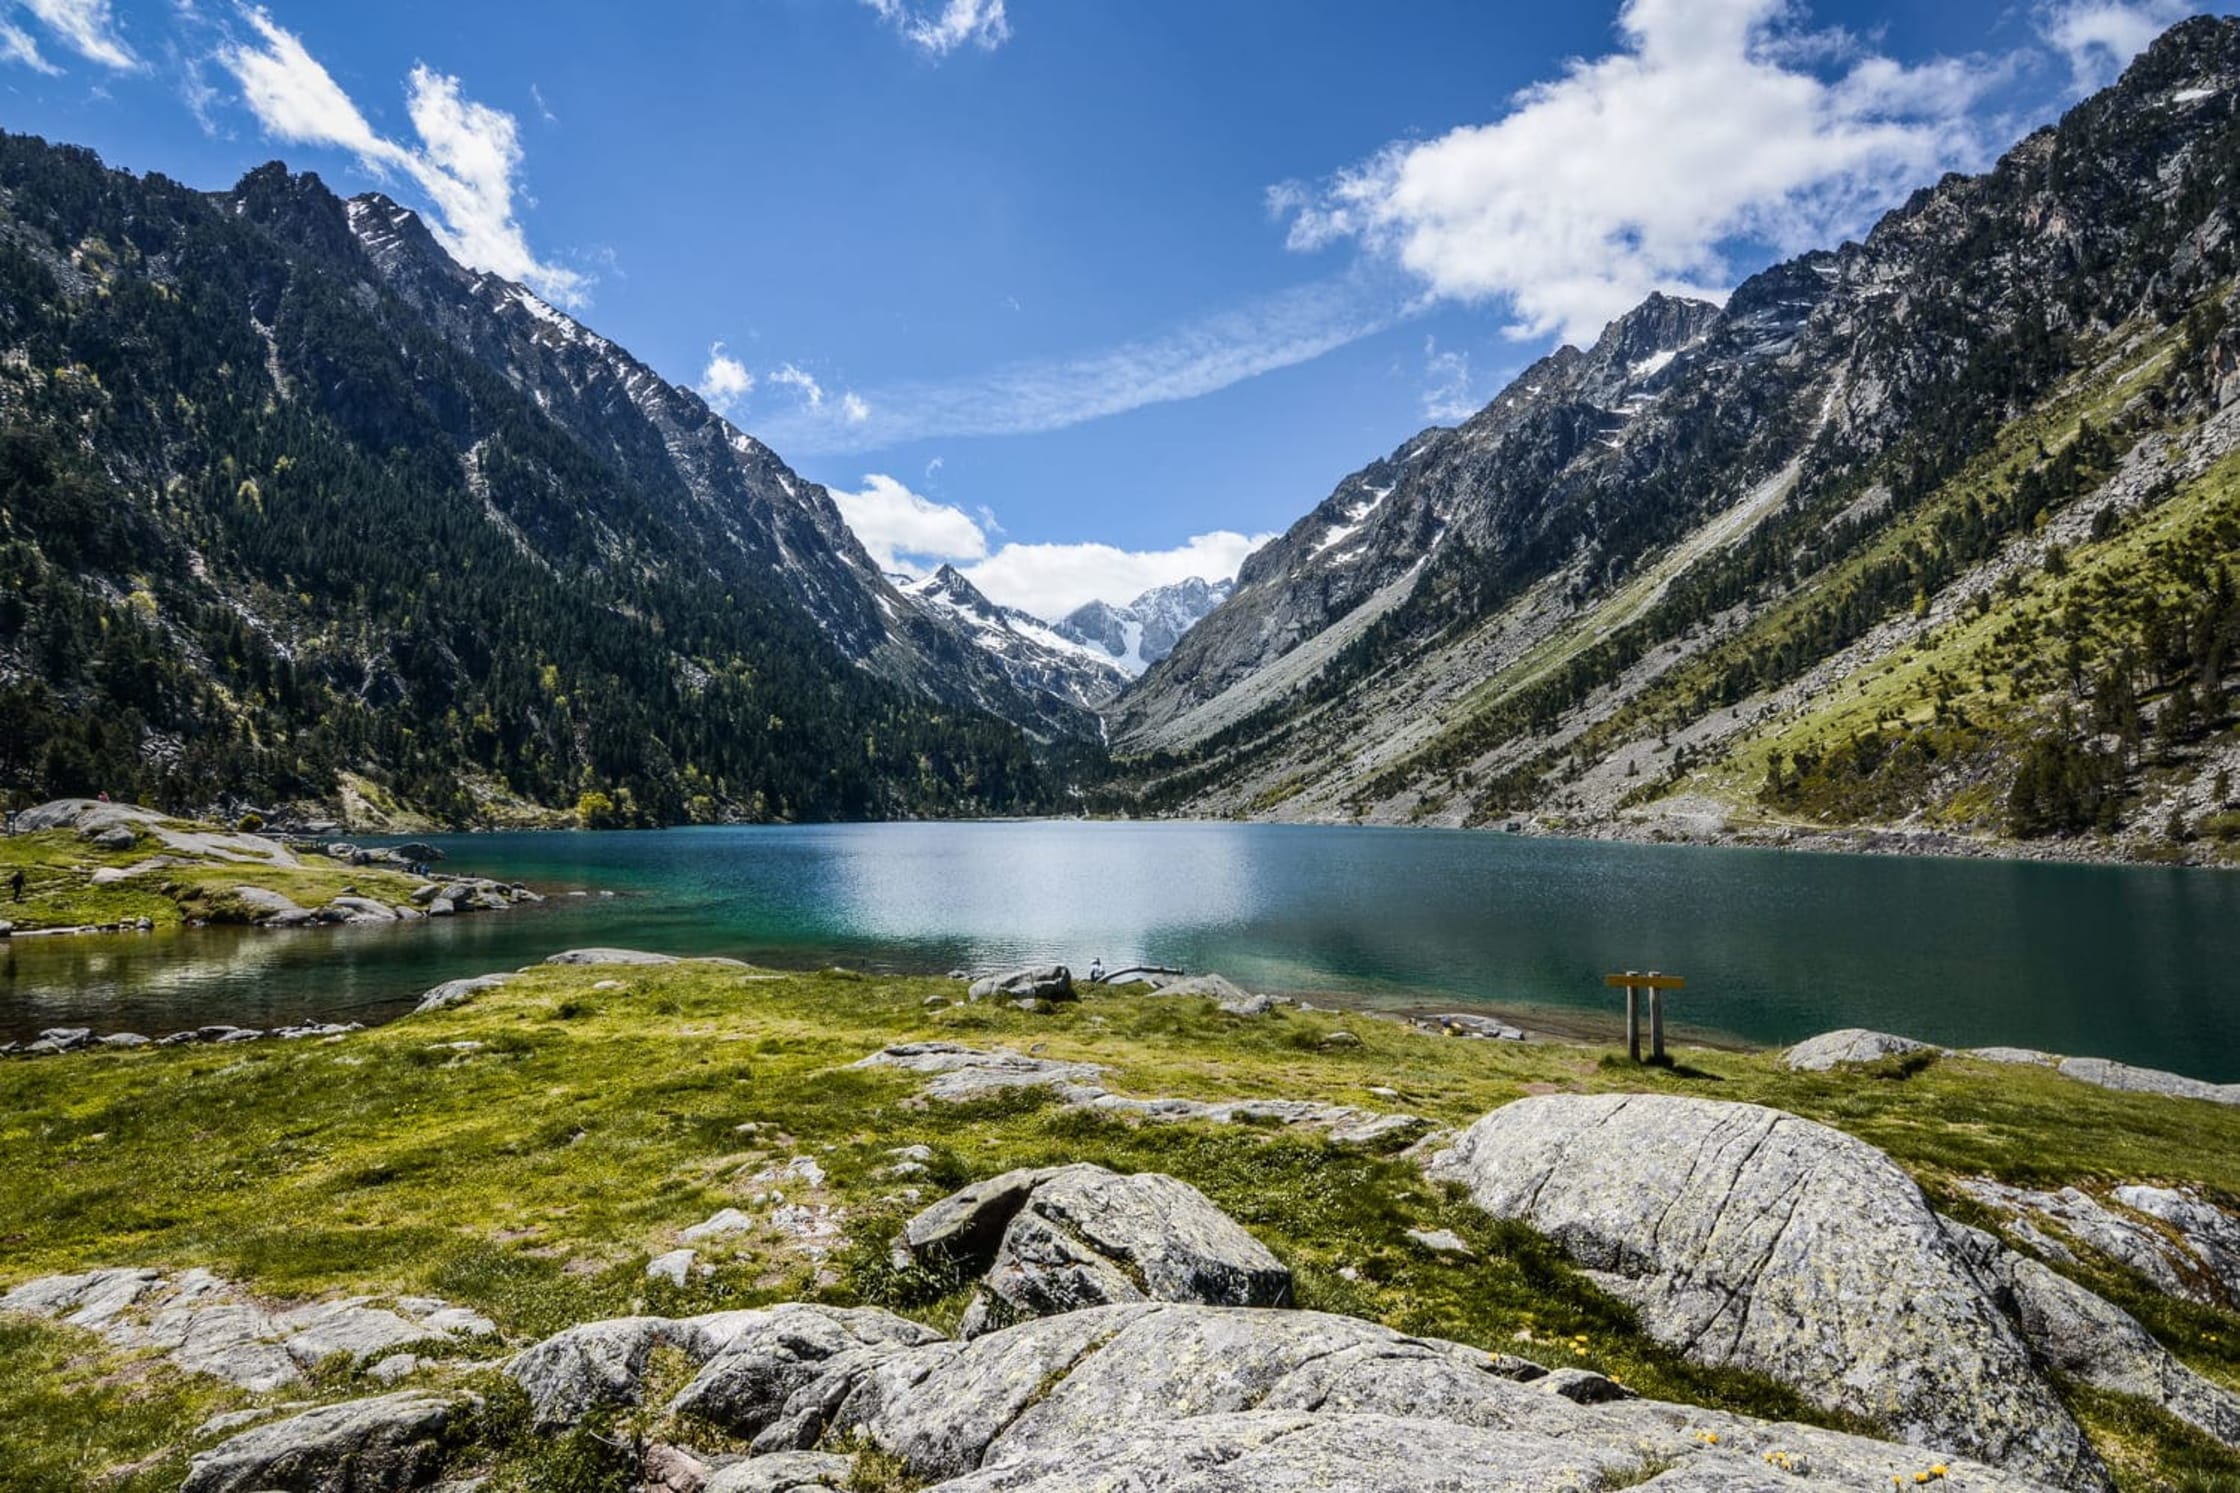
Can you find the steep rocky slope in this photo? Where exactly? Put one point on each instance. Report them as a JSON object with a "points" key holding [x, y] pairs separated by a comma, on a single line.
{"points": [[1037, 658], [293, 506], [1933, 529]]}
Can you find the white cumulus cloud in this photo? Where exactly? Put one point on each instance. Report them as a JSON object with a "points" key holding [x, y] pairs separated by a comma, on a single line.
{"points": [[905, 531], [86, 26], [1050, 580], [956, 23], [725, 381], [466, 162], [908, 532], [2098, 37], [1716, 122]]}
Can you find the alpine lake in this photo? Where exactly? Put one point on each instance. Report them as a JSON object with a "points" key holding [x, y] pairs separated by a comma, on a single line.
{"points": [[2136, 963]]}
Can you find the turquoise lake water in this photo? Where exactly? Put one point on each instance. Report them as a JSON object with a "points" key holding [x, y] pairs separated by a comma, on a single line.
{"points": [[2126, 962]]}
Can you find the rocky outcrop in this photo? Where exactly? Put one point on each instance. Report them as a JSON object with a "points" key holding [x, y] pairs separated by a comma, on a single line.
{"points": [[959, 1074], [1163, 1396], [386, 1445], [57, 1040], [458, 992], [206, 1325], [1850, 1045], [1754, 1239], [1226, 994], [2080, 1336], [2182, 1244], [1039, 982], [746, 1386], [2123, 1077], [1062, 1239]]}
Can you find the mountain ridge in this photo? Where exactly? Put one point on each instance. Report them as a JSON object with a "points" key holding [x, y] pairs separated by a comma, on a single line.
{"points": [[297, 510], [1617, 568]]}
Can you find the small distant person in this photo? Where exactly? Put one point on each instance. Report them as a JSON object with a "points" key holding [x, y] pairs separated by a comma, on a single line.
{"points": [[1096, 966], [103, 795], [15, 886]]}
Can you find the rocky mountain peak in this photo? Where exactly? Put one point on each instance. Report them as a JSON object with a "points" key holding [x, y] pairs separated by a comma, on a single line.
{"points": [[948, 585]]}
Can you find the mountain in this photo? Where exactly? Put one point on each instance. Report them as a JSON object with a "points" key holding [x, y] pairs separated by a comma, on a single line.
{"points": [[294, 508], [1933, 531], [1147, 629], [1036, 657]]}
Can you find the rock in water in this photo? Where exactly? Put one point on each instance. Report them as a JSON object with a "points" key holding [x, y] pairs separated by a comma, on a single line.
{"points": [[395, 1442], [1753, 1239], [1851, 1045], [1064, 1238], [1048, 982]]}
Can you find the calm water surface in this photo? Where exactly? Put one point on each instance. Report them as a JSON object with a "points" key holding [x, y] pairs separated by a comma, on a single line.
{"points": [[2133, 963]]}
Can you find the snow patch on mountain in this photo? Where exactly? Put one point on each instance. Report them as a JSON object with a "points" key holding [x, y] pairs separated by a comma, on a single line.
{"points": [[1136, 636]]}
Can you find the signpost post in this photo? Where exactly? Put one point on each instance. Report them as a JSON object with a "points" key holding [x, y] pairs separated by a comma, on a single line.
{"points": [[1633, 982]]}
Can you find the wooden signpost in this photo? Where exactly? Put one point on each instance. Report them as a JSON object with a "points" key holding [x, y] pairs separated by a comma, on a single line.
{"points": [[1634, 982]]}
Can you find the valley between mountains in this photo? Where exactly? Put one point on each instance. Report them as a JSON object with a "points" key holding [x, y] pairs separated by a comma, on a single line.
{"points": [[1929, 533]]}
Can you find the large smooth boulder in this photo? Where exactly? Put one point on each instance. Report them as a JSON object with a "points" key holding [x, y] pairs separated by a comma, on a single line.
{"points": [[1031, 1400], [385, 1445], [1257, 1451], [1059, 1239], [1047, 982], [603, 956], [1845, 1047], [1753, 1239]]}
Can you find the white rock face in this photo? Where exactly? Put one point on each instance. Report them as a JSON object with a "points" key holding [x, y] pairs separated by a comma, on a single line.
{"points": [[1753, 1239]]}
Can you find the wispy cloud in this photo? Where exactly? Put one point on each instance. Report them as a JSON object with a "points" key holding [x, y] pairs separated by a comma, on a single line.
{"points": [[1448, 394], [1196, 358], [1715, 123], [87, 27], [17, 45], [957, 23], [908, 532], [466, 162]]}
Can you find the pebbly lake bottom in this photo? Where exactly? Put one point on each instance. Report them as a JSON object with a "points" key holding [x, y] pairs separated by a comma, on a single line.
{"points": [[2134, 963]]}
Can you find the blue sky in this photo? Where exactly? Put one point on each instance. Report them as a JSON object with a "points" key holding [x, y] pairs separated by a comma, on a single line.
{"points": [[1084, 295]]}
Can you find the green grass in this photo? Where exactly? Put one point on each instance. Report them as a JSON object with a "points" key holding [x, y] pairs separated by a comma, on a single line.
{"points": [[59, 890], [531, 1177]]}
